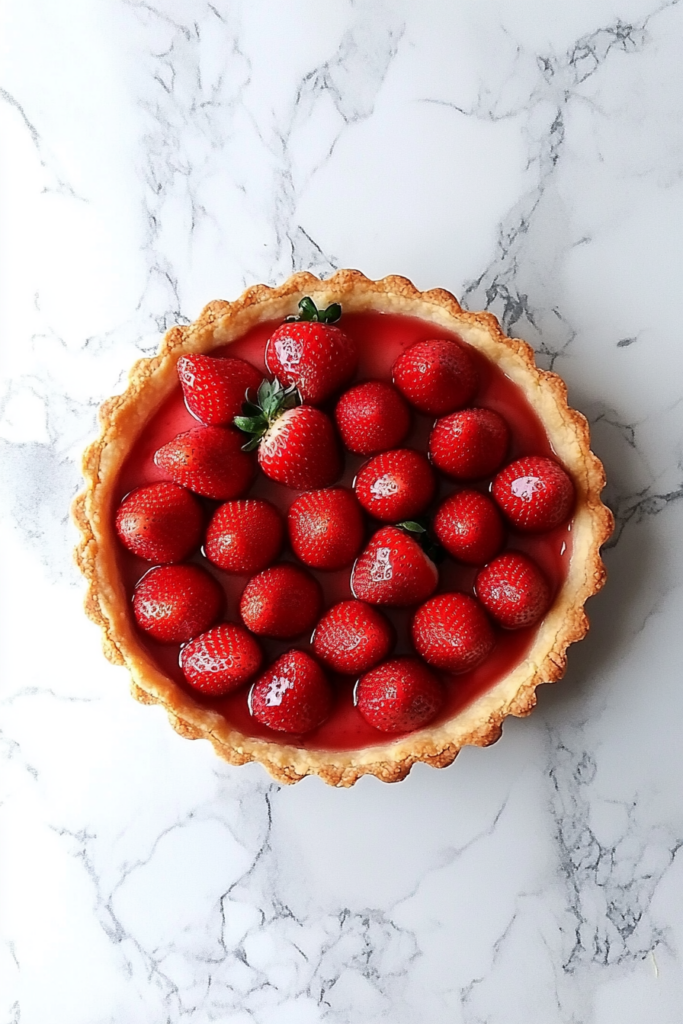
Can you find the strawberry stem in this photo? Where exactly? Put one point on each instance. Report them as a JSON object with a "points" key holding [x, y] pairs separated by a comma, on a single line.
{"points": [[308, 311], [272, 400]]}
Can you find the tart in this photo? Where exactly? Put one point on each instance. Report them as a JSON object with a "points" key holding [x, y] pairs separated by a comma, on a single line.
{"points": [[478, 435]]}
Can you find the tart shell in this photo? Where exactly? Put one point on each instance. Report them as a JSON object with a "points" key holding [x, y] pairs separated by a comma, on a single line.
{"points": [[124, 417]]}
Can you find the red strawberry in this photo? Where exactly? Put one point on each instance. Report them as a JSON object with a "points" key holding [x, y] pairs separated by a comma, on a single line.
{"points": [[173, 603], [452, 632], [399, 695], [513, 590], [352, 637], [393, 570], [282, 601], [469, 444], [436, 376], [293, 695], [221, 660], [209, 461], [160, 523], [297, 444], [372, 417], [310, 353], [326, 528], [395, 485], [469, 526], [244, 536], [534, 493], [215, 389], [300, 450]]}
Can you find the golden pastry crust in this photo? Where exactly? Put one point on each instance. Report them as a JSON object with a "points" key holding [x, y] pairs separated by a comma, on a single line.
{"points": [[152, 380]]}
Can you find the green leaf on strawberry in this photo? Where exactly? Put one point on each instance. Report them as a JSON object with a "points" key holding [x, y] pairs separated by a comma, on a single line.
{"points": [[272, 400], [428, 543], [412, 527], [308, 311]]}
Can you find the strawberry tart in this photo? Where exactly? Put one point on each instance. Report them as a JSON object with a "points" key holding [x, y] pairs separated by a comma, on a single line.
{"points": [[339, 527]]}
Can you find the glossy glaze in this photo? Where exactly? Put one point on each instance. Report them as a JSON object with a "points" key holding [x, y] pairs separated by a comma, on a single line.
{"points": [[381, 338]]}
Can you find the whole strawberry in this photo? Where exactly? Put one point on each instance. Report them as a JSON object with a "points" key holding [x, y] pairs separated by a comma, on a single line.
{"points": [[220, 660], [352, 637], [372, 417], [436, 376], [160, 523], [208, 461], [513, 590], [534, 493], [399, 695], [469, 526], [297, 444], [395, 485], [326, 528], [293, 695], [310, 353], [215, 389], [452, 632], [282, 601], [393, 570], [469, 444], [173, 603], [244, 536]]}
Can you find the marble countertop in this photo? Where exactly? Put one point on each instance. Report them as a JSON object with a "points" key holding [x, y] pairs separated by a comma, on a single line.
{"points": [[528, 156]]}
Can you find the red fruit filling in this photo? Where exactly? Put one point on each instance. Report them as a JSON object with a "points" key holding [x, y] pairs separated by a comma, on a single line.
{"points": [[379, 340]]}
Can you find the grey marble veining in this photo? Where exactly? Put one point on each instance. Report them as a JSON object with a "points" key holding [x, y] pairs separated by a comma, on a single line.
{"points": [[529, 157]]}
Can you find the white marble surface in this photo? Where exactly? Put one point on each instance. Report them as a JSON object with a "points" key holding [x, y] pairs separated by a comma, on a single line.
{"points": [[528, 155]]}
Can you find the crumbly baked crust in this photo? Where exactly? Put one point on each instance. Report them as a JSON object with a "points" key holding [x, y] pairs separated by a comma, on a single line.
{"points": [[151, 380]]}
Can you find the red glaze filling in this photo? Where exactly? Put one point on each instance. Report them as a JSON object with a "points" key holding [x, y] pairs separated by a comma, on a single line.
{"points": [[381, 339]]}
